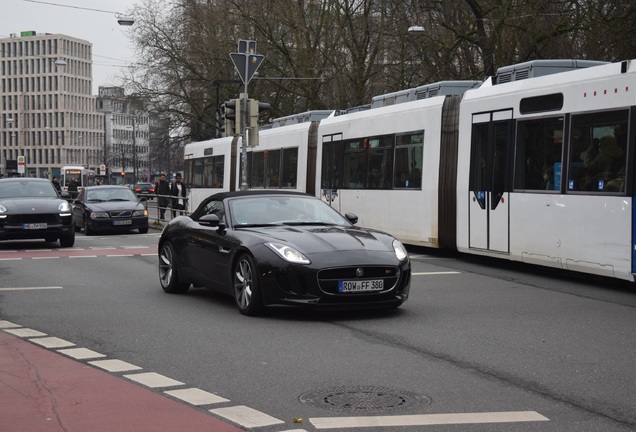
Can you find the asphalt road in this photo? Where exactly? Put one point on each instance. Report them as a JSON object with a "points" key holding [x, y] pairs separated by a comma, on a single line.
{"points": [[480, 345]]}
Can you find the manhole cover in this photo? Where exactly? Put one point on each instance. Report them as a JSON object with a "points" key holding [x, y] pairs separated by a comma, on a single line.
{"points": [[364, 399]]}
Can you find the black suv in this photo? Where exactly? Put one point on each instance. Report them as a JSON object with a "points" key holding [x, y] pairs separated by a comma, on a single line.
{"points": [[31, 208]]}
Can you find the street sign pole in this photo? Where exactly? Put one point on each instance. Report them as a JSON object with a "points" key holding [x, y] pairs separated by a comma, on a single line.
{"points": [[246, 62]]}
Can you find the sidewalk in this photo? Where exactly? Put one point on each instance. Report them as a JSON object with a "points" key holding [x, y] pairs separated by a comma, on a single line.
{"points": [[42, 390]]}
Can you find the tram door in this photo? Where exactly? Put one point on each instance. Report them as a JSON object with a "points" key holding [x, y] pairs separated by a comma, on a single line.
{"points": [[330, 169], [491, 151]]}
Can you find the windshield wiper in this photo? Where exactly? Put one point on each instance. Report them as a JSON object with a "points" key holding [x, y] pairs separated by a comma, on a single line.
{"points": [[118, 199]]}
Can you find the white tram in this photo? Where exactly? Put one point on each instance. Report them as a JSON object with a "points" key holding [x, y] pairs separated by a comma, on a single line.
{"points": [[535, 164]]}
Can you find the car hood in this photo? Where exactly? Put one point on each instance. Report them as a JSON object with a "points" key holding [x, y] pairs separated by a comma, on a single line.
{"points": [[31, 205], [321, 239], [114, 206]]}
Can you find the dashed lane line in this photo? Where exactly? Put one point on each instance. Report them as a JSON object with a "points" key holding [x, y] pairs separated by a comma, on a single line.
{"points": [[30, 288], [435, 273], [428, 419]]}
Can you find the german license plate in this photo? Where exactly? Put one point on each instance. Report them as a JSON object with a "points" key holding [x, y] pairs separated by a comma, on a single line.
{"points": [[34, 226], [360, 286], [122, 222]]}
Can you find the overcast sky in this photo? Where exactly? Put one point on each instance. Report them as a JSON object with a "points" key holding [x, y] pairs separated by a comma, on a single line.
{"points": [[111, 47]]}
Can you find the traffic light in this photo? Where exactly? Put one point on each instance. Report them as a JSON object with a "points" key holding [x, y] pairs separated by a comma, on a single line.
{"points": [[123, 174], [232, 117], [254, 109]]}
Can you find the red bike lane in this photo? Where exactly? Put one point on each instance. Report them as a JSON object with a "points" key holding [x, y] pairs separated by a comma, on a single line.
{"points": [[42, 391]]}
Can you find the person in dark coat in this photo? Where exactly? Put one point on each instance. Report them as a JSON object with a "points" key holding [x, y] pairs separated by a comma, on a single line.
{"points": [[162, 189], [178, 190], [73, 188], [57, 185]]}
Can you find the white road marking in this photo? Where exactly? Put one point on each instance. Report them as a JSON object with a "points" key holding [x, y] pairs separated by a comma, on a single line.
{"points": [[52, 342], [434, 273], [114, 365], [123, 255], [42, 258], [427, 419], [83, 256], [30, 288], [153, 380], [10, 259], [25, 332], [7, 324], [246, 416], [81, 353], [196, 396]]}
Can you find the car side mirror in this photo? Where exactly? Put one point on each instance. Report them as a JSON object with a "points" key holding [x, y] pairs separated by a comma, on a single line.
{"points": [[65, 195], [211, 220], [351, 218]]}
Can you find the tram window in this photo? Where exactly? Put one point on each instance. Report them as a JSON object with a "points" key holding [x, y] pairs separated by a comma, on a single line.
{"points": [[408, 160], [380, 162], [213, 172], [257, 170], [598, 152], [272, 165], [353, 169], [290, 167], [538, 152], [197, 173]]}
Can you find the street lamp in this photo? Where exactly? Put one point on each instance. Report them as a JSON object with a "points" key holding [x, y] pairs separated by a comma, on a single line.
{"points": [[124, 20]]}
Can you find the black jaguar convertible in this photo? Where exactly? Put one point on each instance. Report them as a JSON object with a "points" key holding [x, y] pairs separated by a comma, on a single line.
{"points": [[282, 249]]}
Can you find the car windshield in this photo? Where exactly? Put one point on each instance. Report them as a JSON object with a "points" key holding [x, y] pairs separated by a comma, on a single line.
{"points": [[282, 210], [110, 194], [29, 189]]}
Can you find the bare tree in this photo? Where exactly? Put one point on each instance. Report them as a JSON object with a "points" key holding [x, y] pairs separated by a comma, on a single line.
{"points": [[334, 54]]}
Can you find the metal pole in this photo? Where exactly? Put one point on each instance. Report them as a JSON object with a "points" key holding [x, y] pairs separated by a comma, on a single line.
{"points": [[134, 152], [243, 114]]}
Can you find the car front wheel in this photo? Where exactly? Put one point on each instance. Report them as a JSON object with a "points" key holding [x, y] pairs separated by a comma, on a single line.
{"points": [[168, 272], [67, 240], [247, 290]]}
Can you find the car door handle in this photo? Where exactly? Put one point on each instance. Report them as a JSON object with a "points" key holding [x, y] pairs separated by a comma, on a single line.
{"points": [[224, 250]]}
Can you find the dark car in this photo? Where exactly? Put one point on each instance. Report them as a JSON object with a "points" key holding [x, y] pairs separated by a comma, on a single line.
{"points": [[31, 208], [282, 249], [145, 189], [109, 208]]}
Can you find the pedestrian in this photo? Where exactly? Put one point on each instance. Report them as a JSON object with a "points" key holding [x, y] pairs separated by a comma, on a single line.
{"points": [[178, 189], [73, 188], [56, 185], [162, 189]]}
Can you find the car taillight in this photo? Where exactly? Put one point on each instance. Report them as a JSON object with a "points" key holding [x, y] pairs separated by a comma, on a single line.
{"points": [[137, 189], [152, 190]]}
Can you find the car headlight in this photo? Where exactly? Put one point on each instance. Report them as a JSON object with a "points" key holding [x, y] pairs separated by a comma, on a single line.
{"points": [[140, 213], [288, 253], [97, 215], [400, 250], [64, 207], [3, 209]]}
